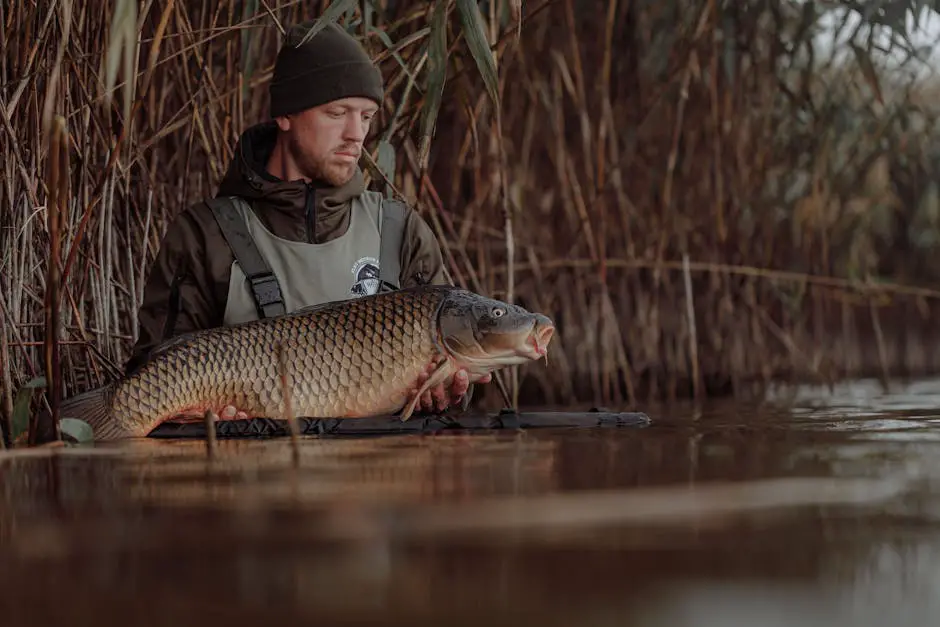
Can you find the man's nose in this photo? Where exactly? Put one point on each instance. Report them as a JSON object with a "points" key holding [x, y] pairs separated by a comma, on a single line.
{"points": [[355, 128]]}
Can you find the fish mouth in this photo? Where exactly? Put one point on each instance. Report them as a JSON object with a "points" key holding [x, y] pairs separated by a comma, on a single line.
{"points": [[536, 346]]}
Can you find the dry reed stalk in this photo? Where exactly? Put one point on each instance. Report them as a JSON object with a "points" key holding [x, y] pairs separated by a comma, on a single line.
{"points": [[693, 332], [56, 209], [210, 419], [288, 407], [6, 415], [882, 357]]}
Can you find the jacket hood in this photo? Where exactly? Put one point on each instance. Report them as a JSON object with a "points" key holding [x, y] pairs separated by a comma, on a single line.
{"points": [[248, 177]]}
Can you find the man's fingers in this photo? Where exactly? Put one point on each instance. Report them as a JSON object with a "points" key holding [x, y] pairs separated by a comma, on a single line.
{"points": [[460, 384], [445, 394], [426, 400], [485, 378], [230, 412], [440, 398]]}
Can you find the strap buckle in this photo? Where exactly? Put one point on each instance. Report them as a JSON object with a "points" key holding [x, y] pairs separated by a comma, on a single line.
{"points": [[267, 292]]}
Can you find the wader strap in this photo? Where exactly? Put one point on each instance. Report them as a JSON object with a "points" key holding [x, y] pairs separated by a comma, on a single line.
{"points": [[265, 288], [391, 232]]}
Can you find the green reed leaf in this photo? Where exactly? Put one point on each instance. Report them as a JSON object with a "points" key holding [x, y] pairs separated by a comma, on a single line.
{"points": [[474, 29], [437, 73]]}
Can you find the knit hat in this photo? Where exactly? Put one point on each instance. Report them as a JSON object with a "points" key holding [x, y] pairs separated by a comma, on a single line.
{"points": [[328, 66]]}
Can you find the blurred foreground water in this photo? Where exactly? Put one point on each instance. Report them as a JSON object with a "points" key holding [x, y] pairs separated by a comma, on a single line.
{"points": [[815, 509]]}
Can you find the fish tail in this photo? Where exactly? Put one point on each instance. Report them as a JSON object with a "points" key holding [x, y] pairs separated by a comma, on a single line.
{"points": [[94, 408]]}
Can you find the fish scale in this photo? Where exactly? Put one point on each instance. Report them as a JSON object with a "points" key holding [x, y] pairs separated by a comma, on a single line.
{"points": [[360, 357]]}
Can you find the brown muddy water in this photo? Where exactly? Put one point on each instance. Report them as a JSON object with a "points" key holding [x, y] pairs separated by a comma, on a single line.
{"points": [[821, 509]]}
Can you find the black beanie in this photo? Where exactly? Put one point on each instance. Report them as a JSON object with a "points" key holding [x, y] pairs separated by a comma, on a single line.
{"points": [[328, 66]]}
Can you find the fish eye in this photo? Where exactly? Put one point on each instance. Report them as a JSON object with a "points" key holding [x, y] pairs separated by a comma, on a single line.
{"points": [[498, 312]]}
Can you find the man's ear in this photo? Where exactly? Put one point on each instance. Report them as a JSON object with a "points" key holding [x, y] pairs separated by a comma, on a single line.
{"points": [[283, 122]]}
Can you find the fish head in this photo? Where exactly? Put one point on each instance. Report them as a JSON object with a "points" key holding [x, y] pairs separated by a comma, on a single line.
{"points": [[482, 334]]}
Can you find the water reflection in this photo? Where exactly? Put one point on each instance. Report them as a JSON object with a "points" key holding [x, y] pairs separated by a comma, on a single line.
{"points": [[574, 527], [860, 398]]}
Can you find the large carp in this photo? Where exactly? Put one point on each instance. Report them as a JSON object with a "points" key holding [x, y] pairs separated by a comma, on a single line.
{"points": [[352, 358]]}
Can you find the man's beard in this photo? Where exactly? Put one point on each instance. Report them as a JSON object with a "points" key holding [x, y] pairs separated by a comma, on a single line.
{"points": [[318, 170]]}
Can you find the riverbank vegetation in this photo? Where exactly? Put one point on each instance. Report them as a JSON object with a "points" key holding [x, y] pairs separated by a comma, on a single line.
{"points": [[705, 195]]}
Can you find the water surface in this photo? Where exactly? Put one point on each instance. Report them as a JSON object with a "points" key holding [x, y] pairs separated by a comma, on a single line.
{"points": [[817, 509]]}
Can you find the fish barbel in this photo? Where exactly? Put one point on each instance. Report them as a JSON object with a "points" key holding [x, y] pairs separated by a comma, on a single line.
{"points": [[352, 358]]}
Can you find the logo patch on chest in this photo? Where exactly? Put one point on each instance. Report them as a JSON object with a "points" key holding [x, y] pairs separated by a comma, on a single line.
{"points": [[366, 273]]}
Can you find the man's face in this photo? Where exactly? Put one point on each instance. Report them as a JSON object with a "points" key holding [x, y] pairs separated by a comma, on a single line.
{"points": [[326, 141]]}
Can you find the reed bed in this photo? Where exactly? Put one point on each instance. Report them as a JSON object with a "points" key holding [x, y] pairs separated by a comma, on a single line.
{"points": [[702, 200]]}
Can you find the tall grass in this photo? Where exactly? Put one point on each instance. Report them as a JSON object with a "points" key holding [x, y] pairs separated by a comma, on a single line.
{"points": [[700, 199]]}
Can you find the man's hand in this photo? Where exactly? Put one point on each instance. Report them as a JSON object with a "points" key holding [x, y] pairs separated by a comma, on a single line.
{"points": [[231, 413], [446, 394]]}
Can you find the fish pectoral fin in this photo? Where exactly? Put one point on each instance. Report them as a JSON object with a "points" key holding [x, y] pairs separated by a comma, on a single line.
{"points": [[440, 373]]}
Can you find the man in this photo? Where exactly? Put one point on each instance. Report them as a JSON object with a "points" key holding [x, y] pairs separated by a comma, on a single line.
{"points": [[300, 200]]}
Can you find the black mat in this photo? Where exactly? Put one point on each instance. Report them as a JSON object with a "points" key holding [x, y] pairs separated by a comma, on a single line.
{"points": [[359, 427]]}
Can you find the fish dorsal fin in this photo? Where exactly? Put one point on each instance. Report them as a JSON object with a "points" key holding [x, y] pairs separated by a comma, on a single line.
{"points": [[309, 309], [342, 302], [164, 346], [189, 336], [176, 340]]}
